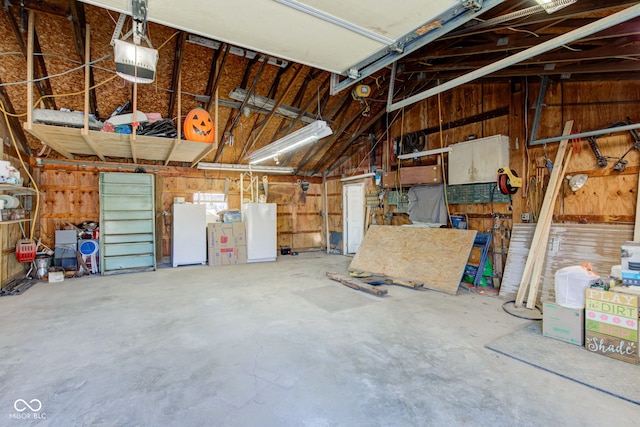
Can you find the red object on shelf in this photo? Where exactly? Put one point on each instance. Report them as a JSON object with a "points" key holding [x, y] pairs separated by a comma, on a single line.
{"points": [[25, 251]]}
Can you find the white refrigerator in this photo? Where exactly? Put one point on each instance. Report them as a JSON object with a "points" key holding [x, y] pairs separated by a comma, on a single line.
{"points": [[261, 223], [189, 234]]}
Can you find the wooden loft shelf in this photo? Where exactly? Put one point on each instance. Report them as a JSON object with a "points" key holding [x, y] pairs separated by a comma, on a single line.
{"points": [[70, 141]]}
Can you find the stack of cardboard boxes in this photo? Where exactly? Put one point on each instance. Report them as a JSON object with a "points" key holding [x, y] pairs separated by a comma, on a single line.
{"points": [[608, 323], [227, 243]]}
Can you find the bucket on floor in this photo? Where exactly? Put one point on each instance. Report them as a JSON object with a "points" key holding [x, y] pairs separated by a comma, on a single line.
{"points": [[571, 283], [42, 265], [459, 222]]}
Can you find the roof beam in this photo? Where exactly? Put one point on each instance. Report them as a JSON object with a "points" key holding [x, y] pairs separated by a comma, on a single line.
{"points": [[40, 69], [510, 43], [607, 52], [583, 7], [232, 121], [266, 121], [79, 26], [569, 37], [43, 7], [213, 82], [177, 65], [15, 126]]}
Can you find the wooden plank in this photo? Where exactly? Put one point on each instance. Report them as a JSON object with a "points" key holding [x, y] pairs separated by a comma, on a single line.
{"points": [[636, 228], [545, 213], [357, 284], [596, 218], [69, 141], [435, 257], [91, 145], [617, 348], [544, 239]]}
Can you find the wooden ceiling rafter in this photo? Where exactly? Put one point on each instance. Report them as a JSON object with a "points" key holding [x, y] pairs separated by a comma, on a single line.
{"points": [[326, 152], [581, 8], [404, 91], [79, 27], [271, 94], [601, 53], [40, 68], [297, 100], [177, 66], [515, 42], [286, 159], [232, 121], [14, 122], [41, 6], [218, 62], [337, 113], [247, 147]]}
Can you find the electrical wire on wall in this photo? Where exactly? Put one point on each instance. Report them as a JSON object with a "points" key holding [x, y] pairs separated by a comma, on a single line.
{"points": [[442, 163], [26, 169]]}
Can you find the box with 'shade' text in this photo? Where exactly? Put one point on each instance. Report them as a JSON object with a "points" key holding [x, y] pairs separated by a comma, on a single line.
{"points": [[611, 324]]}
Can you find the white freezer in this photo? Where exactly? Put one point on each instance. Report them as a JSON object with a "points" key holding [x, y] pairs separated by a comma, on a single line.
{"points": [[260, 220], [189, 234]]}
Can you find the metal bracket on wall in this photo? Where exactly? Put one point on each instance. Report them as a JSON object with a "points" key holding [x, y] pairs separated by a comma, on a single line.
{"points": [[544, 85]]}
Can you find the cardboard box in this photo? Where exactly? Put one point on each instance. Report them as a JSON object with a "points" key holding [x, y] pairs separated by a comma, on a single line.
{"points": [[611, 324], [226, 234], [56, 276], [227, 243], [421, 175], [390, 180], [564, 324], [227, 256]]}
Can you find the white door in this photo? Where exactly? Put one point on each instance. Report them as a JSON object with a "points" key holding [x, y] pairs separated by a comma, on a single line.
{"points": [[353, 216]]}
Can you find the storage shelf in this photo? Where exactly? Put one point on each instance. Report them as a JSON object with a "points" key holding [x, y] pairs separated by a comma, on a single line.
{"points": [[17, 190], [73, 141], [15, 221]]}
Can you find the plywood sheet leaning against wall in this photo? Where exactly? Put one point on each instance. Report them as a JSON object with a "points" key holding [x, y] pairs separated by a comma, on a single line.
{"points": [[434, 256]]}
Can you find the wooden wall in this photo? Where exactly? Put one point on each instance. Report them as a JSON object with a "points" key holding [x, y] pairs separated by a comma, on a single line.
{"points": [[608, 196], [70, 191], [70, 196]]}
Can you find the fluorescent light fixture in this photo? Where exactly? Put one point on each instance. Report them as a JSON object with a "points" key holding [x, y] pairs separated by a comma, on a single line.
{"points": [[307, 135], [245, 168], [362, 176], [135, 63], [551, 6]]}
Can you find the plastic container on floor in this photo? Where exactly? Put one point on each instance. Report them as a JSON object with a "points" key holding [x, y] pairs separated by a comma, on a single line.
{"points": [[571, 283]]}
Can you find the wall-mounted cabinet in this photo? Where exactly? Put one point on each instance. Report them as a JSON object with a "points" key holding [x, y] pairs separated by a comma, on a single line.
{"points": [[478, 160]]}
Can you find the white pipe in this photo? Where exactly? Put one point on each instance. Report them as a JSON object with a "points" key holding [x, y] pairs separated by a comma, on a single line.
{"points": [[326, 213], [425, 153], [364, 175], [578, 33]]}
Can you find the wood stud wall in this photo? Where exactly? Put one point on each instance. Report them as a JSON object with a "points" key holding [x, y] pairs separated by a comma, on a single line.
{"points": [[70, 196]]}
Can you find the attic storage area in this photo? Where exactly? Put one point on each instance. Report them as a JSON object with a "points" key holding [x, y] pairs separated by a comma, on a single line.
{"points": [[449, 162]]}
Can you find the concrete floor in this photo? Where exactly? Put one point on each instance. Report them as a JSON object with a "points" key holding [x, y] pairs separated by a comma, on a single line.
{"points": [[273, 344]]}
